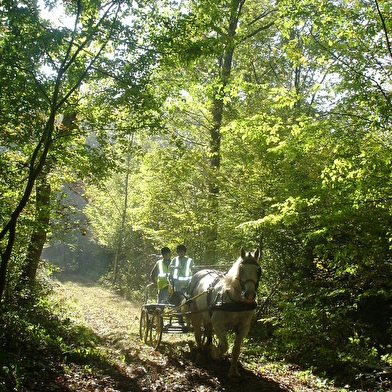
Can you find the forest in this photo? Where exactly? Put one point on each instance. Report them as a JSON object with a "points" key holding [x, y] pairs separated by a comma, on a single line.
{"points": [[126, 126]]}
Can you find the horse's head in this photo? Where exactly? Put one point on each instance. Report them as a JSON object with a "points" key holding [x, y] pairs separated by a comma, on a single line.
{"points": [[249, 274]]}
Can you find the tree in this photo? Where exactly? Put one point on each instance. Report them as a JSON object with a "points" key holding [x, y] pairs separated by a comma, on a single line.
{"points": [[31, 45], [330, 188], [202, 56]]}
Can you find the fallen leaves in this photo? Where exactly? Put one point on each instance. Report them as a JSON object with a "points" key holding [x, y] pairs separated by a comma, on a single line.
{"points": [[176, 366]]}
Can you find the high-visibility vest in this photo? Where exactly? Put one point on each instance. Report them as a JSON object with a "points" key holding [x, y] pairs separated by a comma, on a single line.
{"points": [[163, 271], [179, 273]]}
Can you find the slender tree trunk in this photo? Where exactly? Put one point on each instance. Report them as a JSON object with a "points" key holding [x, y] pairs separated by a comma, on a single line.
{"points": [[36, 165], [217, 107], [38, 238], [124, 212]]}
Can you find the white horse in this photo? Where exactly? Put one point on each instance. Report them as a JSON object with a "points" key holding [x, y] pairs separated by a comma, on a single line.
{"points": [[225, 302]]}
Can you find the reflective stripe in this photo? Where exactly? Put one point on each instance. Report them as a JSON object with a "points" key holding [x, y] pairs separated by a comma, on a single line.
{"points": [[163, 270], [188, 271], [175, 274]]}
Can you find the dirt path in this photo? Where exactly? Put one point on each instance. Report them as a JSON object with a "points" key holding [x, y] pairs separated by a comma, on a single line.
{"points": [[175, 366]]}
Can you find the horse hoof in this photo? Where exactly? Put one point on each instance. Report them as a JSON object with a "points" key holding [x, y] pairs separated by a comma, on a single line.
{"points": [[235, 376], [200, 359], [215, 356], [207, 350]]}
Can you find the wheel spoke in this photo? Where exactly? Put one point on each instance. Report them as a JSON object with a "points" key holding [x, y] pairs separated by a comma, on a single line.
{"points": [[143, 330], [156, 328]]}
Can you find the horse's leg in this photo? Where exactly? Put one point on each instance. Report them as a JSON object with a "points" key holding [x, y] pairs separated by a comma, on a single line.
{"points": [[220, 332], [185, 310], [196, 321], [239, 336], [208, 327]]}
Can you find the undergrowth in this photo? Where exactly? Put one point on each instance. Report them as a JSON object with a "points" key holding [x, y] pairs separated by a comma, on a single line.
{"points": [[38, 340], [349, 366]]}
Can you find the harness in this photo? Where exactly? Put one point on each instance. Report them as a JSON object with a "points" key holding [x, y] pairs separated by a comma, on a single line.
{"points": [[233, 306], [209, 292], [250, 261], [217, 303]]}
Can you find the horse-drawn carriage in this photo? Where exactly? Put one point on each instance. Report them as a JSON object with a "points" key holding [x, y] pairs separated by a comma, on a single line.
{"points": [[157, 318], [213, 304]]}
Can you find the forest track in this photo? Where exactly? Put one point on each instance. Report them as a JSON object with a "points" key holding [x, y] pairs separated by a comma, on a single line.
{"points": [[175, 366]]}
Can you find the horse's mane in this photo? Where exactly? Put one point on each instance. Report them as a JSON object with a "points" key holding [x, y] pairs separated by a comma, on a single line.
{"points": [[230, 280], [234, 270]]}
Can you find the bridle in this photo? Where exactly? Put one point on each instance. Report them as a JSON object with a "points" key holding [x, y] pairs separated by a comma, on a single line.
{"points": [[255, 283]]}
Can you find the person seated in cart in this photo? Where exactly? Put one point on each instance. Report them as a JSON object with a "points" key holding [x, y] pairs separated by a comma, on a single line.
{"points": [[160, 274], [182, 268]]}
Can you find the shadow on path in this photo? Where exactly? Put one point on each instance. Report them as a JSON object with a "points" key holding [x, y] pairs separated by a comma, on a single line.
{"points": [[186, 370]]}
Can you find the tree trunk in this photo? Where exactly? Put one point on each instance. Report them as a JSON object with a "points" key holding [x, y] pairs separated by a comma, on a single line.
{"points": [[37, 162], [38, 238], [217, 107], [124, 212]]}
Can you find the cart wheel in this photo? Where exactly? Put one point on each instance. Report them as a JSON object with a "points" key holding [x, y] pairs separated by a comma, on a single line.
{"points": [[156, 328], [143, 330]]}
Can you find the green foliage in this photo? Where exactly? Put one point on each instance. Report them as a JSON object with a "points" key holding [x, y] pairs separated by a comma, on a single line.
{"points": [[45, 98], [304, 147], [37, 338]]}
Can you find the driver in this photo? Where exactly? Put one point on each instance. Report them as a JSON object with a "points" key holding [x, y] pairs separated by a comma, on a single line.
{"points": [[160, 273]]}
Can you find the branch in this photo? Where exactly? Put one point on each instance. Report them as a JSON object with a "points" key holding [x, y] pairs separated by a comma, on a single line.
{"points": [[253, 33], [36, 81], [261, 16], [92, 62], [352, 69], [63, 67], [45, 141], [384, 28]]}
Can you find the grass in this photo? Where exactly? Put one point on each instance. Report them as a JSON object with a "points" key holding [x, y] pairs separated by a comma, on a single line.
{"points": [[50, 336]]}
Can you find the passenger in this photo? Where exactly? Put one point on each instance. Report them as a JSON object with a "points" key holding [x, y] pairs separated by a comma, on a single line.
{"points": [[160, 274], [182, 267]]}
